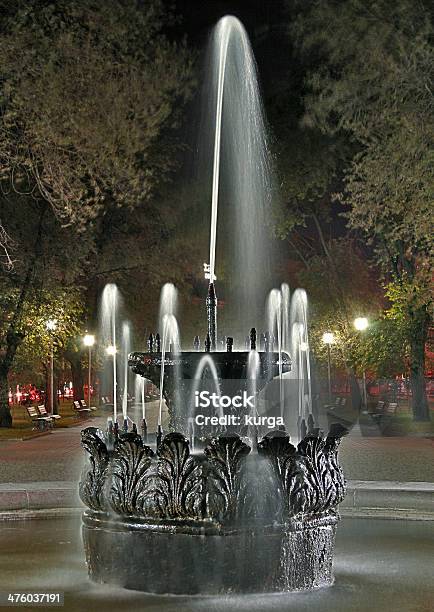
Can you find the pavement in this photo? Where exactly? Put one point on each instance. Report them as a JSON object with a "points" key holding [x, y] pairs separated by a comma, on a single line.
{"points": [[386, 476], [379, 566]]}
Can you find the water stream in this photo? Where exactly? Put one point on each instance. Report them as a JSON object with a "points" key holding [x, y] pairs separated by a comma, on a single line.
{"points": [[169, 343], [126, 349], [241, 172], [108, 322]]}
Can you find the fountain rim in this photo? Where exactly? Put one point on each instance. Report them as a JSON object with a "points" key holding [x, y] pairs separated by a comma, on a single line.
{"points": [[203, 527]]}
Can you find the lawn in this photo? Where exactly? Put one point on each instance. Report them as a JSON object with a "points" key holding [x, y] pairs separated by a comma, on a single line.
{"points": [[23, 428], [400, 424]]}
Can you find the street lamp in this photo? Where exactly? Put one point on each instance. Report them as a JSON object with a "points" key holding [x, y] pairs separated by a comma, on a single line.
{"points": [[328, 338], [89, 341], [362, 324], [51, 326]]}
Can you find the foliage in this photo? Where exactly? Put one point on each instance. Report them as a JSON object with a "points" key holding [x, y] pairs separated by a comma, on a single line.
{"points": [[63, 307], [91, 96], [88, 90], [373, 83], [334, 308]]}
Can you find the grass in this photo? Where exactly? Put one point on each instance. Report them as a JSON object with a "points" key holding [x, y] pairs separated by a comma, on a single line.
{"points": [[400, 424], [23, 428]]}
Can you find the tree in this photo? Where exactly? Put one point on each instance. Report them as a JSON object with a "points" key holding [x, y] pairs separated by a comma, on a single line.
{"points": [[88, 91], [41, 264], [328, 312], [65, 307], [91, 95], [373, 84]]}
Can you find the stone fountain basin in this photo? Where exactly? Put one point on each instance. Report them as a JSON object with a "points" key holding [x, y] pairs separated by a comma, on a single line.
{"points": [[225, 520], [190, 557]]}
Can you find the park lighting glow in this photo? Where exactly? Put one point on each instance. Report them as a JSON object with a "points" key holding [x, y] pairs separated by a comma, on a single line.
{"points": [[51, 324], [328, 337], [304, 346], [89, 340], [111, 350], [361, 323]]}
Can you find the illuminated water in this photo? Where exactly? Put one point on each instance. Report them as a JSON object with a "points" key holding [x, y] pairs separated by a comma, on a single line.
{"points": [[109, 308], [126, 349], [241, 172], [169, 343], [168, 303]]}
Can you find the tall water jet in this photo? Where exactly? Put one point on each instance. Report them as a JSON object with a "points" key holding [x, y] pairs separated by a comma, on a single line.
{"points": [[286, 306], [205, 371], [126, 349], [241, 166], [108, 315], [253, 370], [300, 349], [139, 393], [170, 342], [274, 322], [168, 303], [205, 366]]}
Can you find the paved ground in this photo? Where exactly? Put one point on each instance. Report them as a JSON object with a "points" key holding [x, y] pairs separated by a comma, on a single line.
{"points": [[58, 457], [379, 566], [382, 458]]}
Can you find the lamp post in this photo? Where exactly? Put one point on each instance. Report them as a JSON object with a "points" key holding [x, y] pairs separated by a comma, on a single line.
{"points": [[89, 341], [51, 326], [328, 338], [362, 324], [111, 351]]}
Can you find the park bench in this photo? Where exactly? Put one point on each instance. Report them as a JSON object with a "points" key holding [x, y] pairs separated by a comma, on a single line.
{"points": [[40, 422], [84, 405], [383, 413], [336, 404], [340, 402], [79, 410], [378, 410], [105, 402], [43, 413], [337, 413]]}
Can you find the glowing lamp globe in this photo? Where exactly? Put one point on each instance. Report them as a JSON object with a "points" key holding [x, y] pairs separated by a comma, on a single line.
{"points": [[361, 323], [328, 337], [89, 340]]}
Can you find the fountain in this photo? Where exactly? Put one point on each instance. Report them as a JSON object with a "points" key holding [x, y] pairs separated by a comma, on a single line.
{"points": [[233, 506]]}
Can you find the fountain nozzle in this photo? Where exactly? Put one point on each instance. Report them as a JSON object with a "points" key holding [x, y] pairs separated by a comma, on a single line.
{"points": [[211, 312]]}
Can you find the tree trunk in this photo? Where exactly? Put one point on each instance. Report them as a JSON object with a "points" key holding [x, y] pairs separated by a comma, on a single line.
{"points": [[5, 413], [356, 396], [419, 398], [55, 407], [77, 374], [13, 339], [13, 336]]}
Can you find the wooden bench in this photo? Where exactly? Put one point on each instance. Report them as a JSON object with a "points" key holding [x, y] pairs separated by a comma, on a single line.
{"points": [[378, 408], [43, 413], [335, 405], [40, 422], [384, 413], [80, 412], [84, 405]]}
